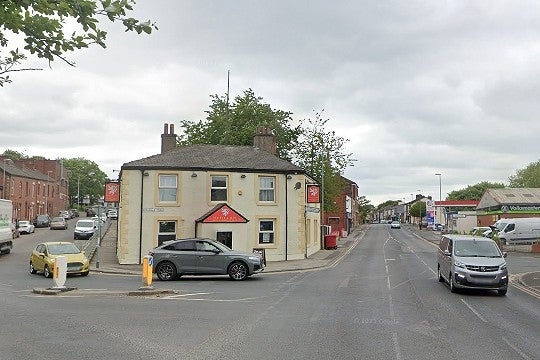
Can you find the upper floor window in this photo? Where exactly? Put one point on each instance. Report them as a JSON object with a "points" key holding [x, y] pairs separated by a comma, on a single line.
{"points": [[267, 188], [218, 192], [168, 185]]}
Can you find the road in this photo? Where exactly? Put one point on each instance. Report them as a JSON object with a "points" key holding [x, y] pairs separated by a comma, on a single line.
{"points": [[382, 301]]}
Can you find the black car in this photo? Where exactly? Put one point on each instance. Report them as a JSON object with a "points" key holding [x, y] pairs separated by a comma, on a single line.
{"points": [[42, 221], [199, 256]]}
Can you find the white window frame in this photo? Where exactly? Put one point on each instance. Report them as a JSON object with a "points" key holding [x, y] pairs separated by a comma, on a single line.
{"points": [[264, 189], [167, 187], [267, 236], [175, 233], [219, 188]]}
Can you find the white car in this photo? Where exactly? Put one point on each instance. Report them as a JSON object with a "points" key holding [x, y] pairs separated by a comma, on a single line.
{"points": [[26, 227], [395, 225]]}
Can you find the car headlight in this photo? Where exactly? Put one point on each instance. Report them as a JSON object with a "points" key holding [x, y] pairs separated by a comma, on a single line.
{"points": [[460, 264], [502, 267], [254, 258]]}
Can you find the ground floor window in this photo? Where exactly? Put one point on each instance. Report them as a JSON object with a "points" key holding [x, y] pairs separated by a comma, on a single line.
{"points": [[224, 237], [166, 231], [266, 231]]}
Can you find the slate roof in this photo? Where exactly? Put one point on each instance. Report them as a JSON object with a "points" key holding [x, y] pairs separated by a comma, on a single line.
{"points": [[24, 172], [514, 196], [201, 157]]}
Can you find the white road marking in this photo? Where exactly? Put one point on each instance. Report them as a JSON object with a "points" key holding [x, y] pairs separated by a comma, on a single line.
{"points": [[474, 311], [516, 349]]}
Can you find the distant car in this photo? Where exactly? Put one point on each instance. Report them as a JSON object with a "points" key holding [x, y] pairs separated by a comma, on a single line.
{"points": [[75, 212], [58, 223], [90, 212], [43, 257], [479, 230], [26, 227], [42, 220], [199, 256], [65, 214], [112, 214], [84, 229], [15, 233], [395, 225]]}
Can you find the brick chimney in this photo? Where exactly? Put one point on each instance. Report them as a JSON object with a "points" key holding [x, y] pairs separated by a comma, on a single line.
{"points": [[265, 140], [168, 138]]}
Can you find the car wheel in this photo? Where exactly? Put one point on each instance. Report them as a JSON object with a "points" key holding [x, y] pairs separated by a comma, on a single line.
{"points": [[502, 292], [32, 269], [238, 271], [441, 279], [451, 283], [166, 271], [46, 272]]}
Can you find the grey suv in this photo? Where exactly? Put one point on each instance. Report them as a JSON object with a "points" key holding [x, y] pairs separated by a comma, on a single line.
{"points": [[199, 256], [472, 262]]}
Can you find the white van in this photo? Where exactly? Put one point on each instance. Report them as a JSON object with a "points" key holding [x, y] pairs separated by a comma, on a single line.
{"points": [[520, 230]]}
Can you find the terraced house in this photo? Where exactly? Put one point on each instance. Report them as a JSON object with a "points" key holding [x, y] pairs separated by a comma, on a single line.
{"points": [[243, 196]]}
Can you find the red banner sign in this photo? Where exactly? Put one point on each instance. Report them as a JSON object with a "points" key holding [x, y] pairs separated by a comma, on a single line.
{"points": [[224, 215], [112, 192], [313, 194]]}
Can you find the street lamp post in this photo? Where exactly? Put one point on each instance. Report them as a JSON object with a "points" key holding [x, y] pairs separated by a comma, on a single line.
{"points": [[440, 187], [78, 189], [4, 178]]}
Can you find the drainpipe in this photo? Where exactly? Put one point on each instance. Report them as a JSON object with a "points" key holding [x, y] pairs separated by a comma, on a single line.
{"points": [[286, 216], [141, 217]]}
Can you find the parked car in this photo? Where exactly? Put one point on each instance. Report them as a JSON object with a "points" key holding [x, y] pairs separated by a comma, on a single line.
{"points": [[112, 214], [58, 223], [395, 225], [472, 262], [26, 227], [84, 229], [44, 254], [42, 220], [199, 256], [15, 233], [90, 212], [479, 230], [65, 214]]}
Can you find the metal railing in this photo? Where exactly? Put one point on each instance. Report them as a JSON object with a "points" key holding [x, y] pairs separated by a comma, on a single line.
{"points": [[92, 244]]}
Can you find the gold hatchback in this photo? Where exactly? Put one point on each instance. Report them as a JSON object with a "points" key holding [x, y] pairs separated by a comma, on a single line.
{"points": [[44, 255]]}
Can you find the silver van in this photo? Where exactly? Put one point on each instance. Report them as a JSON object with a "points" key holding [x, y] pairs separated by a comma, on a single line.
{"points": [[471, 262]]}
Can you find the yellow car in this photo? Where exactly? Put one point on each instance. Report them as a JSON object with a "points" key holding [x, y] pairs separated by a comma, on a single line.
{"points": [[44, 254]]}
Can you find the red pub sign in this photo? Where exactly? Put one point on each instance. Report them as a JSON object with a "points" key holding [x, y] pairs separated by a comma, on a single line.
{"points": [[224, 214], [313, 194], [112, 192]]}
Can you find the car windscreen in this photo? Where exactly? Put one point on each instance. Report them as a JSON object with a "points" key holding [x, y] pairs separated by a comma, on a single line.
{"points": [[474, 248], [85, 224], [59, 249]]}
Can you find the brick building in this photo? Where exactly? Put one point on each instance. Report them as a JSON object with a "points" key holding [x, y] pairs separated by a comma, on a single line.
{"points": [[34, 186], [345, 215]]}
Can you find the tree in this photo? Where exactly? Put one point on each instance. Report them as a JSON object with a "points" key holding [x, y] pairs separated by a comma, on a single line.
{"points": [[418, 209], [365, 208], [236, 123], [473, 192], [526, 178], [42, 24], [85, 180], [320, 152]]}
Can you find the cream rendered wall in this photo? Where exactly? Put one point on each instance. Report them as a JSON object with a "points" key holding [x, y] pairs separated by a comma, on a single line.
{"points": [[194, 201]]}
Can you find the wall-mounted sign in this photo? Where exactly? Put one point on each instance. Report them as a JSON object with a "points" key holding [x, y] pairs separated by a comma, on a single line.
{"points": [[112, 192], [222, 213], [313, 194]]}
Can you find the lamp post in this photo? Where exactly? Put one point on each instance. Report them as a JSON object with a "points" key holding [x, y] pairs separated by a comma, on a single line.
{"points": [[440, 187], [4, 178], [47, 194], [78, 190]]}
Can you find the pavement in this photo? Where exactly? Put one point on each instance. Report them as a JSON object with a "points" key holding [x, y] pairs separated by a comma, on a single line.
{"points": [[105, 259]]}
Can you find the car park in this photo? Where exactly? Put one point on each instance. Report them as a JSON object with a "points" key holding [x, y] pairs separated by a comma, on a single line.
{"points": [[42, 220], [26, 227], [395, 225], [84, 229], [58, 223], [200, 256], [472, 262], [44, 254]]}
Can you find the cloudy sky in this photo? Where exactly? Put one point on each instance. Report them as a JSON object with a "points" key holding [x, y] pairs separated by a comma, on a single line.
{"points": [[418, 87]]}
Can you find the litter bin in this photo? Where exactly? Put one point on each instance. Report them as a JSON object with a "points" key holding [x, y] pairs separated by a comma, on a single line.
{"points": [[330, 241]]}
